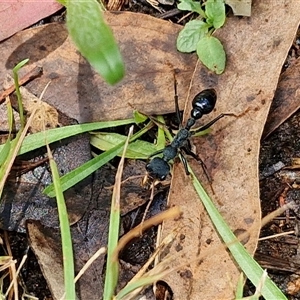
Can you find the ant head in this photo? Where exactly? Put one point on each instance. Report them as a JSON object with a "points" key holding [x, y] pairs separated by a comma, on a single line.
{"points": [[203, 103], [158, 168]]}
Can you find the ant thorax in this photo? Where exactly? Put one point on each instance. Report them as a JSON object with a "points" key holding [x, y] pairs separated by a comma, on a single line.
{"points": [[181, 138]]}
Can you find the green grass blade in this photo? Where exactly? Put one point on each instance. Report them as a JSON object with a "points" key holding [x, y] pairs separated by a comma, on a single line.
{"points": [[37, 140], [78, 174], [10, 117], [11, 148], [18, 93], [136, 150], [245, 261], [9, 159], [91, 166], [4, 152], [112, 264], [67, 248], [240, 287], [161, 137], [143, 281]]}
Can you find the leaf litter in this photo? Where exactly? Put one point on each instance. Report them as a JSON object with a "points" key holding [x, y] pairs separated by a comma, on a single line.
{"points": [[230, 152]]}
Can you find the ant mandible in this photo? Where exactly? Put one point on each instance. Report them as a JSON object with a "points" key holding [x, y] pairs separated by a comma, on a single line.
{"points": [[203, 103]]}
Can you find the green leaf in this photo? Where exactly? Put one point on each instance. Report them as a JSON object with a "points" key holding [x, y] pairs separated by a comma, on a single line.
{"points": [[139, 117], [18, 93], [94, 39], [246, 262], [211, 53], [5, 152], [240, 287], [191, 6], [161, 137], [78, 174], [215, 12], [190, 35], [64, 225], [136, 150], [20, 65], [37, 140]]}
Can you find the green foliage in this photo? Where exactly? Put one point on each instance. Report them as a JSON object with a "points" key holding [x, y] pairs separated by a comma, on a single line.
{"points": [[64, 225], [192, 6], [9, 150], [212, 54], [18, 93], [94, 38], [139, 117], [215, 12], [191, 34], [83, 171], [197, 34], [136, 150]]}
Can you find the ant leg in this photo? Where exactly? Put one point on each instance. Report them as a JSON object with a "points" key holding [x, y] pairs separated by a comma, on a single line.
{"points": [[209, 124], [183, 159], [178, 115], [187, 150]]}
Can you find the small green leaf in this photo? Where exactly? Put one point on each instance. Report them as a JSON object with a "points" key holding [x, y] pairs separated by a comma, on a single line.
{"points": [[135, 150], [10, 117], [94, 39], [191, 6], [139, 117], [190, 35], [215, 12], [211, 53], [20, 65]]}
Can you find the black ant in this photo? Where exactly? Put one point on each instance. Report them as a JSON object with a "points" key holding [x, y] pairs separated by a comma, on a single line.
{"points": [[203, 104]]}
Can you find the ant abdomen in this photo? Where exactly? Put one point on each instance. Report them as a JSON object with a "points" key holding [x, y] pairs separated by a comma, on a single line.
{"points": [[203, 103]]}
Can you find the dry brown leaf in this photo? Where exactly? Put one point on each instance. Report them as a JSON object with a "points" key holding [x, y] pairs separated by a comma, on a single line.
{"points": [[148, 48], [44, 242], [286, 99], [45, 117], [88, 236], [256, 49]]}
